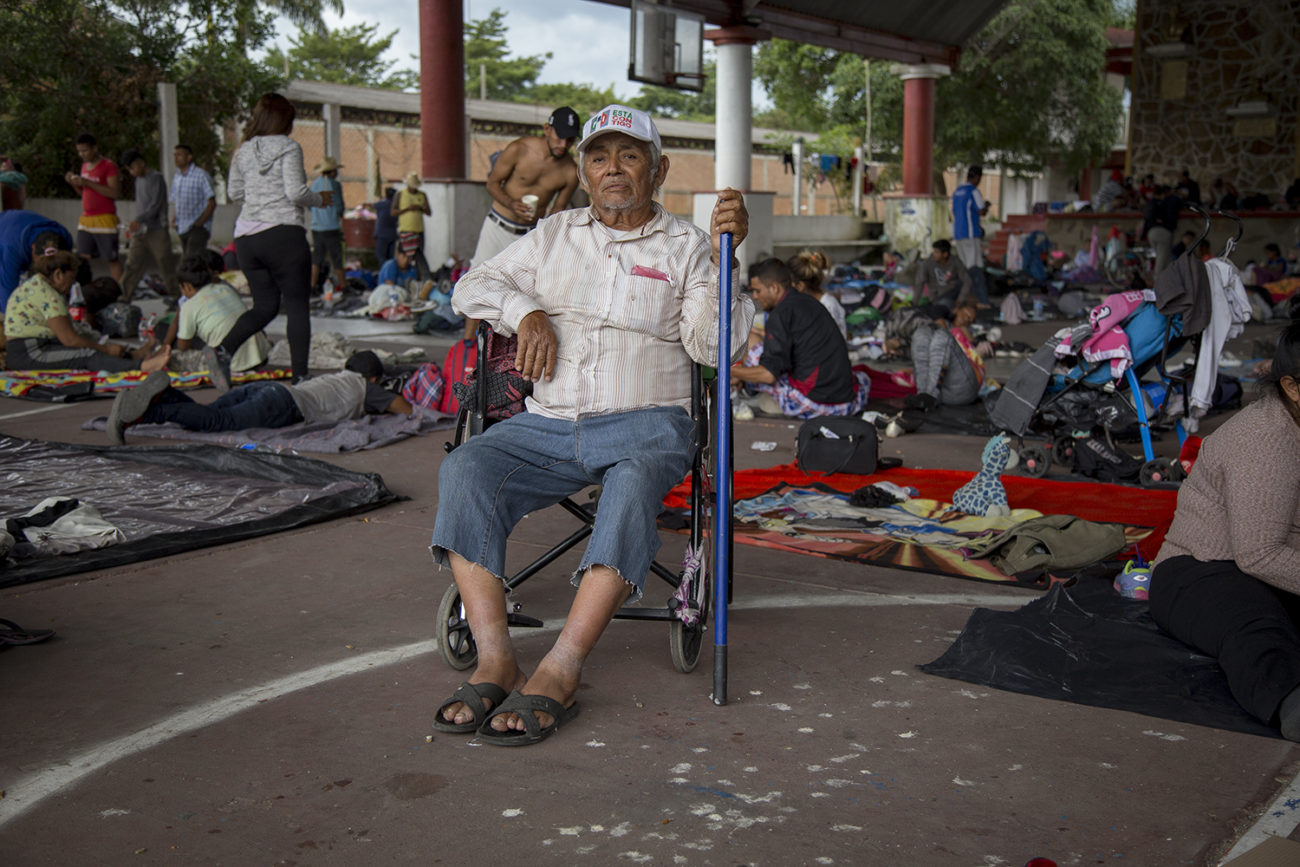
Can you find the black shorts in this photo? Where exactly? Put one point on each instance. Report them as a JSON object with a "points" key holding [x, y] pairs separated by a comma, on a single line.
{"points": [[327, 249], [101, 245]]}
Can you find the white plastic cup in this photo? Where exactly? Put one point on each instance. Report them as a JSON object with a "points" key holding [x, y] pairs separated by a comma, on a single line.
{"points": [[530, 202]]}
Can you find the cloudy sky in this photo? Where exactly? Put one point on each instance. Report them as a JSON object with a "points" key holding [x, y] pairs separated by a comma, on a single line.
{"points": [[588, 40]]}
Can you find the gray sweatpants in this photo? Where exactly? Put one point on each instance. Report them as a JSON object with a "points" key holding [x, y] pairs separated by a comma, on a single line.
{"points": [[33, 353], [942, 369]]}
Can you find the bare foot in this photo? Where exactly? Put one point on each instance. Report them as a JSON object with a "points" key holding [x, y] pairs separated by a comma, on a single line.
{"points": [[548, 681], [158, 361], [459, 714]]}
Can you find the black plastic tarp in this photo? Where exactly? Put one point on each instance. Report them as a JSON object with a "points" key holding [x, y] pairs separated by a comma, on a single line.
{"points": [[1089, 645], [172, 498]]}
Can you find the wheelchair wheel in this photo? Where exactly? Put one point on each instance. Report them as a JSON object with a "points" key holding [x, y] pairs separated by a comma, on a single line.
{"points": [[685, 643], [1036, 460], [453, 635]]}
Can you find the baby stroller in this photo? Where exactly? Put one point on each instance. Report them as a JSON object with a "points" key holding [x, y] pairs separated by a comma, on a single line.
{"points": [[1084, 387]]}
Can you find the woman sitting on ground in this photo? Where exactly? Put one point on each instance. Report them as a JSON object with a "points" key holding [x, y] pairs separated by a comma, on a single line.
{"points": [[1227, 578], [808, 270], [949, 362], [39, 329]]}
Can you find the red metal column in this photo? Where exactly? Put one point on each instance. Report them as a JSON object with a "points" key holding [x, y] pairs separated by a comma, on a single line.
{"points": [[918, 135], [442, 89]]}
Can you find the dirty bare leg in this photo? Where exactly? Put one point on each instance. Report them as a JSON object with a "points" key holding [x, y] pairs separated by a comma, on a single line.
{"points": [[599, 597], [484, 598]]}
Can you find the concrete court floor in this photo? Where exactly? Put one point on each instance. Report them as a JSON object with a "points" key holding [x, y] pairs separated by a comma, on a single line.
{"points": [[268, 702]]}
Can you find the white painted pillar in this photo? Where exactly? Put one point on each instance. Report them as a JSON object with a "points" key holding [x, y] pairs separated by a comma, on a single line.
{"points": [[373, 185], [796, 151], [333, 117], [168, 129], [858, 168], [735, 133]]}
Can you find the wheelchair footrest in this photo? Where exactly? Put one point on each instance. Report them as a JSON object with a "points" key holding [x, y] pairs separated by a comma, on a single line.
{"points": [[515, 619]]}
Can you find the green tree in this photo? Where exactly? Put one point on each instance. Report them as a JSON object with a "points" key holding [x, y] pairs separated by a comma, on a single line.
{"points": [[508, 79], [585, 99], [350, 55], [97, 71], [1029, 89]]}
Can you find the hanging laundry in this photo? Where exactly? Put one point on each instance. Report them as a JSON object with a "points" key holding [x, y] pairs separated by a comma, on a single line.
{"points": [[787, 163], [829, 162]]}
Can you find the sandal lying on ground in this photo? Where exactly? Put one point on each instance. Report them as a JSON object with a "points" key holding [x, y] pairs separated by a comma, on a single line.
{"points": [[12, 633], [533, 733], [472, 695]]}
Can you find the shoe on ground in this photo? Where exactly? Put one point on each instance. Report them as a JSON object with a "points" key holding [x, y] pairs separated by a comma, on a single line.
{"points": [[131, 405], [910, 420], [922, 401], [218, 364], [1134, 582]]}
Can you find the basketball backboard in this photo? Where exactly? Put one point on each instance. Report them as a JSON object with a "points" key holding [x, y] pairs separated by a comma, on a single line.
{"points": [[667, 46]]}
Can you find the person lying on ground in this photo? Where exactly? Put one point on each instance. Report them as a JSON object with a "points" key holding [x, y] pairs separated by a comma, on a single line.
{"points": [[806, 272], [610, 304], [949, 363], [333, 397], [942, 278], [802, 367], [1227, 578], [39, 332], [208, 310]]}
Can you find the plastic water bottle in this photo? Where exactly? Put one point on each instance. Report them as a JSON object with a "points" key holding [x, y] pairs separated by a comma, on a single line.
{"points": [[146, 326], [1038, 308]]}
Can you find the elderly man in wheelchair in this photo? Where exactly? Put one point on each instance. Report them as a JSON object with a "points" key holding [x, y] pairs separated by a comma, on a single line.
{"points": [[611, 305]]}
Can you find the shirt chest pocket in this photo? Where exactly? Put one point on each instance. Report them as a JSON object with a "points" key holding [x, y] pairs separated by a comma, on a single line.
{"points": [[646, 305]]}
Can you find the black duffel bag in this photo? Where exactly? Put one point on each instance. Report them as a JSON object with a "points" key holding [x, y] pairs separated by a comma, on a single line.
{"points": [[833, 444]]}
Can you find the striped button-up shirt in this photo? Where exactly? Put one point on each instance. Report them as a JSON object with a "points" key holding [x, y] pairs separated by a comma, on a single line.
{"points": [[630, 310], [191, 190]]}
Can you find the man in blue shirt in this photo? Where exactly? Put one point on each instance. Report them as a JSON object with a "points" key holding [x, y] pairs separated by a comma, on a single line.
{"points": [[967, 208], [385, 226], [327, 224], [195, 202], [399, 270]]}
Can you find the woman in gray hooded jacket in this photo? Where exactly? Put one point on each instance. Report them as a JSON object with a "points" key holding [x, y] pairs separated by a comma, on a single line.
{"points": [[268, 176]]}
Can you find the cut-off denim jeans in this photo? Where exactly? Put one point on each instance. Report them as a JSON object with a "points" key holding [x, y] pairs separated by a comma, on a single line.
{"points": [[529, 462]]}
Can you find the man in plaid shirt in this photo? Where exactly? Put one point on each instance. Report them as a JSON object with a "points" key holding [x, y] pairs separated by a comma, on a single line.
{"points": [[195, 202]]}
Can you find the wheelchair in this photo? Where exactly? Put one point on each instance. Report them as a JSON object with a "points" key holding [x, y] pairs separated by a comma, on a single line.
{"points": [[493, 392]]}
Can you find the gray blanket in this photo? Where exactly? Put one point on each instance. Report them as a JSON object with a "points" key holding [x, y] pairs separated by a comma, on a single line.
{"points": [[367, 432]]}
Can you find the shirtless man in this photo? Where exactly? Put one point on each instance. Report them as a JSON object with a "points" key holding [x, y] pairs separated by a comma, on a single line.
{"points": [[529, 166]]}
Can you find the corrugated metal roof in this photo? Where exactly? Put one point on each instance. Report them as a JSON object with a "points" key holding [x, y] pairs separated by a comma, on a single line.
{"points": [[352, 96]]}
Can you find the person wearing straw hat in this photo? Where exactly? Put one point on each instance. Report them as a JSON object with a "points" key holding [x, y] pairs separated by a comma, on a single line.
{"points": [[410, 207], [327, 223], [611, 305]]}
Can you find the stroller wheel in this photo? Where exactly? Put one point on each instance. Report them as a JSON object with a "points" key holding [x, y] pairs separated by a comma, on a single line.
{"points": [[1035, 460], [1160, 472], [1063, 451]]}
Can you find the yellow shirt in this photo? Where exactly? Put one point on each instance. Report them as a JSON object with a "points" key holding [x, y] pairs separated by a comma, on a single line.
{"points": [[411, 221], [31, 306]]}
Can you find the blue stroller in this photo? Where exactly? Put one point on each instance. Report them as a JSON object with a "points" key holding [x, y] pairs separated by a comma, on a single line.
{"points": [[1090, 402]]}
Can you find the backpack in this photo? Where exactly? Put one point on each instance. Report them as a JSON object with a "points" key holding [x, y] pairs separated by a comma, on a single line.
{"points": [[460, 361], [506, 387], [120, 319]]}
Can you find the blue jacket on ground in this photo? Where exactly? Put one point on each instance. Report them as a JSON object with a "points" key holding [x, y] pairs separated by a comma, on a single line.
{"points": [[18, 229]]}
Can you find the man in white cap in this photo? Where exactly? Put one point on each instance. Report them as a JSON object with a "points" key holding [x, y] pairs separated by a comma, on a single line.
{"points": [[530, 178], [327, 224], [611, 305]]}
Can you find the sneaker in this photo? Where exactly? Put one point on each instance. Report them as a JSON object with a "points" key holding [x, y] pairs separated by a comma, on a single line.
{"points": [[218, 362], [1134, 581], [131, 405]]}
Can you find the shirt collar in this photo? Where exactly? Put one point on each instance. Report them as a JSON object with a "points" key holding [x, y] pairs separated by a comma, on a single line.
{"points": [[661, 221]]}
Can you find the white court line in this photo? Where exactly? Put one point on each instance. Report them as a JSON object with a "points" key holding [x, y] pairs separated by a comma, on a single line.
{"points": [[1279, 820], [34, 411], [24, 794]]}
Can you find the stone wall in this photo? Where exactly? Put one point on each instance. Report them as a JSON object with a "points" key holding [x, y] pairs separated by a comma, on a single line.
{"points": [[1239, 50]]}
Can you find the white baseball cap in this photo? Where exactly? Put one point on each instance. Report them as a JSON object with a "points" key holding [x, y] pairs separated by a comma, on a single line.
{"points": [[620, 118]]}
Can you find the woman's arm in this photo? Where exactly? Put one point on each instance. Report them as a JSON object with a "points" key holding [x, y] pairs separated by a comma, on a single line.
{"points": [[69, 336]]}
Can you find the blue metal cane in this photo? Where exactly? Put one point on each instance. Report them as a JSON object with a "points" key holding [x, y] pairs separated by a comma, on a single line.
{"points": [[722, 475]]}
